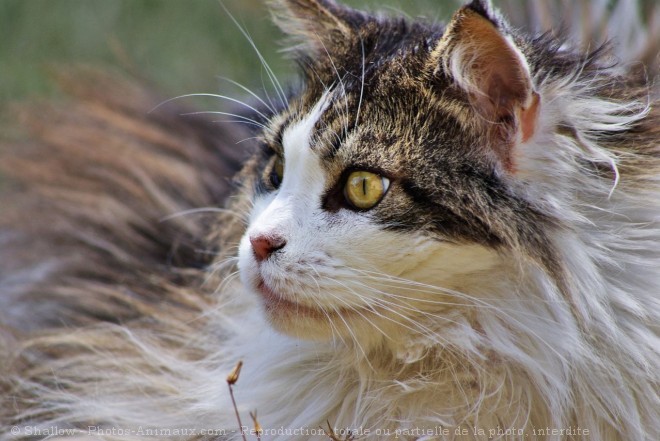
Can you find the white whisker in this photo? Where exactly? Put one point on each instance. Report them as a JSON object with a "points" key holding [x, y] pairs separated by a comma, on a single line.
{"points": [[269, 71], [204, 210], [240, 117], [211, 95], [352, 307], [270, 106], [482, 303], [357, 114], [343, 87]]}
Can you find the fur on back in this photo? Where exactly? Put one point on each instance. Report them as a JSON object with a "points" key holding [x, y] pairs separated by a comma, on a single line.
{"points": [[122, 311]]}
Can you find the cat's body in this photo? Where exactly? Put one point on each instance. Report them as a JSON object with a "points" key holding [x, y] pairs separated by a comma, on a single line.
{"points": [[451, 234]]}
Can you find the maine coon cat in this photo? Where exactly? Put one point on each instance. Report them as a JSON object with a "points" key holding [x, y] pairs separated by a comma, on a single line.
{"points": [[447, 232]]}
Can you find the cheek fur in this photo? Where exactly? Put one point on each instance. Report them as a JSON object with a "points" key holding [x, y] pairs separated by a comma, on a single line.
{"points": [[377, 279]]}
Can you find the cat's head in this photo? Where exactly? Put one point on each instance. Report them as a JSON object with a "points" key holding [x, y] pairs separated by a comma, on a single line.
{"points": [[388, 193]]}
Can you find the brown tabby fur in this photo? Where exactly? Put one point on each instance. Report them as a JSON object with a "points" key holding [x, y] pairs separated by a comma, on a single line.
{"points": [[85, 199]]}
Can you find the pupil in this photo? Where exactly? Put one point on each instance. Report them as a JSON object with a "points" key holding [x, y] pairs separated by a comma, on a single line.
{"points": [[364, 186]]}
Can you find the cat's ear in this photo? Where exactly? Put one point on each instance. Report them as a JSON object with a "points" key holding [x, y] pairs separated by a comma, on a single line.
{"points": [[480, 56], [317, 27]]}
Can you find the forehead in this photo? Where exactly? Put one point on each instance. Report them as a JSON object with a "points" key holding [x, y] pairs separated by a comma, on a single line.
{"points": [[383, 100], [404, 124], [298, 134]]}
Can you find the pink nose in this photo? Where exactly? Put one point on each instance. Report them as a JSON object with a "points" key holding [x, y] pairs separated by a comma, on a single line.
{"points": [[264, 246]]}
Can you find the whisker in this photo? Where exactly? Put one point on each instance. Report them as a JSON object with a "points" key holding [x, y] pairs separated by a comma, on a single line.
{"points": [[482, 302], [220, 306], [433, 288], [269, 71], [355, 340], [242, 87], [333, 329], [357, 310], [357, 114], [348, 328], [327, 90], [419, 328], [248, 139], [240, 117], [225, 281], [238, 122], [341, 82], [202, 211], [210, 95]]}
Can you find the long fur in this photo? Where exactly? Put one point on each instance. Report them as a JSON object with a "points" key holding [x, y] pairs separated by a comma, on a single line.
{"points": [[122, 313]]}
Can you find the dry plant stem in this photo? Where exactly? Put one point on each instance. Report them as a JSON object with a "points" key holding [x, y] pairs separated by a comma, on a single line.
{"points": [[238, 417], [257, 426], [333, 435], [232, 378]]}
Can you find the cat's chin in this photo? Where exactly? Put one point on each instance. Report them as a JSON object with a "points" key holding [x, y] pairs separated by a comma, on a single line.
{"points": [[296, 319]]}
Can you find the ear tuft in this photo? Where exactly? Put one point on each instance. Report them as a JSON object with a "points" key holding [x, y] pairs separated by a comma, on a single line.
{"points": [[316, 26], [483, 60], [483, 8]]}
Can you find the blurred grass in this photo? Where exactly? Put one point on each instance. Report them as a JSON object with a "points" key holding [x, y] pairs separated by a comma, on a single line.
{"points": [[180, 46]]}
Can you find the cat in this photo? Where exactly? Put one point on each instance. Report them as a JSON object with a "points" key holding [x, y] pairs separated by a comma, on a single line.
{"points": [[448, 232]]}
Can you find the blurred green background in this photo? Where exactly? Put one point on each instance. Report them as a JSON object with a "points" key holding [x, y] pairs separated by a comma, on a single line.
{"points": [[181, 46]]}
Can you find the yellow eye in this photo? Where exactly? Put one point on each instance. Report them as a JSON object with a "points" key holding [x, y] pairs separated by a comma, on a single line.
{"points": [[364, 189], [276, 172]]}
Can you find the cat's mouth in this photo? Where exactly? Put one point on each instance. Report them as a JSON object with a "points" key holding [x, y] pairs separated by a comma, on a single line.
{"points": [[278, 304]]}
